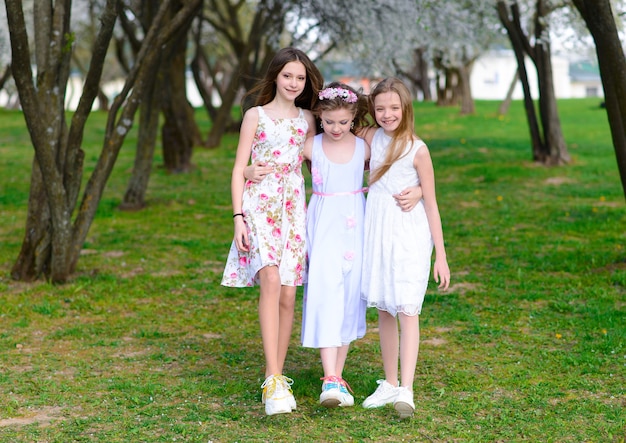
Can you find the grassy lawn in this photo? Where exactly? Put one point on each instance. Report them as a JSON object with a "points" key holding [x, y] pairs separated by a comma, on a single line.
{"points": [[144, 345]]}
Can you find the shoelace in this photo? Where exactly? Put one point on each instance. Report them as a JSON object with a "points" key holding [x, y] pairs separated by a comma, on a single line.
{"points": [[338, 380], [270, 385], [286, 381]]}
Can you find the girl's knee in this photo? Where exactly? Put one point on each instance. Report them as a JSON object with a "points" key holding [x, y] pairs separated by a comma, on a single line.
{"points": [[288, 297], [269, 276]]}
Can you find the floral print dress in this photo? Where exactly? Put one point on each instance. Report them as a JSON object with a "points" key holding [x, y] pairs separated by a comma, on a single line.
{"points": [[274, 209]]}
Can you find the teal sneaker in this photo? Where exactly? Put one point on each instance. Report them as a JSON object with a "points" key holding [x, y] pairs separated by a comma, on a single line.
{"points": [[335, 392]]}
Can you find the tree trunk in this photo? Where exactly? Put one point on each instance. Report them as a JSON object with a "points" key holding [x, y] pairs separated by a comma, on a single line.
{"points": [[418, 74], [422, 69], [180, 132], [176, 139], [467, 101], [555, 149], [47, 246], [150, 109], [448, 88], [203, 75], [517, 38], [503, 109], [5, 76], [612, 62], [34, 256], [202, 78], [52, 242], [223, 117]]}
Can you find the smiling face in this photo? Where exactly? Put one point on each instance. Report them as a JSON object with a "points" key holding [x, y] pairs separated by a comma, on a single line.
{"points": [[388, 111], [337, 123], [291, 80]]}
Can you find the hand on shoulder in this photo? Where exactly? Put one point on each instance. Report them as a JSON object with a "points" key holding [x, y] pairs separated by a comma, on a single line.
{"points": [[367, 134]]}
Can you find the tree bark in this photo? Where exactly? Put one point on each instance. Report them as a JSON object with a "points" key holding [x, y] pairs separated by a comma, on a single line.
{"points": [[169, 76], [503, 109], [418, 74], [422, 68], [53, 241], [47, 246], [601, 23], [555, 148], [520, 47], [467, 101], [179, 132], [150, 109], [5, 76]]}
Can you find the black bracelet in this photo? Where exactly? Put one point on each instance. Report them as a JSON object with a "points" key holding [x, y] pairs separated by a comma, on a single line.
{"points": [[239, 213]]}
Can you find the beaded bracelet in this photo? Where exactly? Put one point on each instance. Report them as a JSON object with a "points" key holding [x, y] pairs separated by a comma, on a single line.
{"points": [[239, 213]]}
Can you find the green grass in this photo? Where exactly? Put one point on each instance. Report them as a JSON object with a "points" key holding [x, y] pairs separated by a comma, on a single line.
{"points": [[144, 345]]}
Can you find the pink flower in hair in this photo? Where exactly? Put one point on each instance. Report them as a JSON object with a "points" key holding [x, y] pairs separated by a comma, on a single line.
{"points": [[332, 93]]}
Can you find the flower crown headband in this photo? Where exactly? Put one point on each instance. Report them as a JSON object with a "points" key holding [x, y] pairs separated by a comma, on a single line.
{"points": [[344, 94]]}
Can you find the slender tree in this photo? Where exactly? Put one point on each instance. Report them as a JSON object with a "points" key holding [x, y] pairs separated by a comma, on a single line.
{"points": [[548, 143], [165, 94]]}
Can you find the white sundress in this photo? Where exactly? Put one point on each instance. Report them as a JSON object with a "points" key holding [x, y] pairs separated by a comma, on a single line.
{"points": [[333, 311], [397, 245]]}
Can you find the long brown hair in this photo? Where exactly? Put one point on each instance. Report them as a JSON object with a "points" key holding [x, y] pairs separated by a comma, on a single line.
{"points": [[404, 134], [265, 91]]}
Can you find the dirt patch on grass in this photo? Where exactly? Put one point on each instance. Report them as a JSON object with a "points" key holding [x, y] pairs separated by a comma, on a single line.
{"points": [[464, 287], [435, 341], [43, 417], [557, 181]]}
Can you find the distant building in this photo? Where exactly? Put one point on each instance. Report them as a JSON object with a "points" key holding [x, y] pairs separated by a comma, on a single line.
{"points": [[493, 72], [492, 75], [585, 79]]}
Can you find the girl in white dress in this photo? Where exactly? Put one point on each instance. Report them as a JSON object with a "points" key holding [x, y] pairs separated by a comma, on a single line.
{"points": [[269, 246], [398, 244], [333, 312]]}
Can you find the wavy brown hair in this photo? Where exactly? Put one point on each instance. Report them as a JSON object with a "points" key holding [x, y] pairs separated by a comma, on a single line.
{"points": [[404, 134], [265, 91], [358, 109]]}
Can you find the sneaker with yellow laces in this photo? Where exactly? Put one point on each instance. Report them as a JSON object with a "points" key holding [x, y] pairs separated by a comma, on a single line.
{"points": [[277, 395]]}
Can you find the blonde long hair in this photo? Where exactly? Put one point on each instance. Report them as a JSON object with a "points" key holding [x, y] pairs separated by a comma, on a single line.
{"points": [[404, 134]]}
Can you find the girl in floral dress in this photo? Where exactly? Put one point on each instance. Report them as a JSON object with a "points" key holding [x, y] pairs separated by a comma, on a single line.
{"points": [[269, 247]]}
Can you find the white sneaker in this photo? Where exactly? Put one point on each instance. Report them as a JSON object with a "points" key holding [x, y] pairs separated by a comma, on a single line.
{"points": [[335, 393], [404, 404], [330, 396], [384, 394], [346, 398], [287, 382], [275, 396]]}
